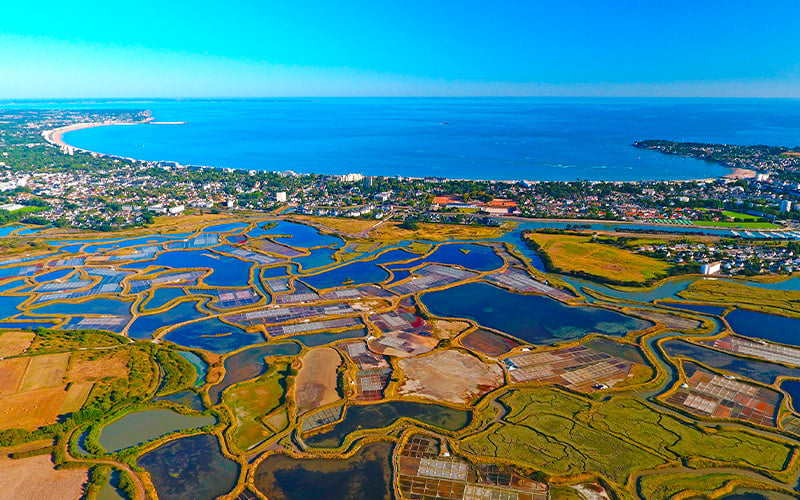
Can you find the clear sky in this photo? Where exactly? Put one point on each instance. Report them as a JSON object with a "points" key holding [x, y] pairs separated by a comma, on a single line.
{"points": [[176, 48]]}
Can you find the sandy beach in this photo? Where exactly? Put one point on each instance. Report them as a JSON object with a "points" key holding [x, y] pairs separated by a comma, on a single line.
{"points": [[742, 173], [55, 136]]}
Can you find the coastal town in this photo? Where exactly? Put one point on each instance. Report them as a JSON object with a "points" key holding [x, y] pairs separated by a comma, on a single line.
{"points": [[45, 181]]}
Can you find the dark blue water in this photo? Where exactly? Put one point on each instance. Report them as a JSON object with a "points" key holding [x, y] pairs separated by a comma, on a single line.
{"points": [[213, 335], [792, 388], [765, 326], [532, 318], [352, 274], [530, 138], [476, 257]]}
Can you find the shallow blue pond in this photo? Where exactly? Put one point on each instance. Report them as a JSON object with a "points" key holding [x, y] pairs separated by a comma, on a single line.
{"points": [[533, 318], [145, 326], [765, 326], [213, 335], [357, 273]]}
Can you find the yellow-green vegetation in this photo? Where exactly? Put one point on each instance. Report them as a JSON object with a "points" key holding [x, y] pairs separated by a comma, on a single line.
{"points": [[564, 493], [391, 232], [689, 484], [726, 292], [251, 401], [578, 254], [60, 340], [178, 371], [565, 435]]}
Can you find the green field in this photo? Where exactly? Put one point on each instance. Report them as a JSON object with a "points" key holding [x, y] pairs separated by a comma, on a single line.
{"points": [[250, 402], [571, 254], [566, 435], [742, 225], [739, 215]]}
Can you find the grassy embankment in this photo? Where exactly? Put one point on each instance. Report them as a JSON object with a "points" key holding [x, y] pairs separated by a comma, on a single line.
{"points": [[724, 292], [391, 232], [340, 224], [579, 255]]}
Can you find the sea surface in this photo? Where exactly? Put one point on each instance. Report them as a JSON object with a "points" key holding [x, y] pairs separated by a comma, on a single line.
{"points": [[475, 138]]}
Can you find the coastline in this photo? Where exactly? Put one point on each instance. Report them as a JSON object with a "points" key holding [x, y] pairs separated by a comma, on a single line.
{"points": [[55, 137]]}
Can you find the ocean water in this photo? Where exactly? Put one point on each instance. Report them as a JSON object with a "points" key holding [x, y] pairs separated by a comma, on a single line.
{"points": [[475, 138]]}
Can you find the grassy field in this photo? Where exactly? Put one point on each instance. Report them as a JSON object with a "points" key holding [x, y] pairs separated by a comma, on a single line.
{"points": [[739, 215], [14, 343], [578, 254], [45, 371], [250, 402], [742, 225], [728, 293], [563, 435]]}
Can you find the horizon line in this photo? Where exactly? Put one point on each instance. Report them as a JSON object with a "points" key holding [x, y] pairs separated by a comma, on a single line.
{"points": [[541, 96]]}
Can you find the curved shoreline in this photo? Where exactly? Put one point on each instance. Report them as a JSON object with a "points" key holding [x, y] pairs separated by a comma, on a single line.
{"points": [[55, 137]]}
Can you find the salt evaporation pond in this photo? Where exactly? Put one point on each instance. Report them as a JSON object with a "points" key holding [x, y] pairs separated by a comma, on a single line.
{"points": [[765, 326], [213, 335], [532, 318]]}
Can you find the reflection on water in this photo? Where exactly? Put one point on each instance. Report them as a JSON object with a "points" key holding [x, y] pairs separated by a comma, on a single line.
{"points": [[384, 414], [366, 475], [190, 468], [142, 426], [532, 318]]}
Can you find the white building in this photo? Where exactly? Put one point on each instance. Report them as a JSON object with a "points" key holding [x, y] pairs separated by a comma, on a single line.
{"points": [[352, 178], [177, 210], [158, 209], [711, 268], [280, 196], [384, 196]]}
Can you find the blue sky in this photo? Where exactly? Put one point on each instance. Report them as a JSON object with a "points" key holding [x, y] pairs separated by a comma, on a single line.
{"points": [[173, 48]]}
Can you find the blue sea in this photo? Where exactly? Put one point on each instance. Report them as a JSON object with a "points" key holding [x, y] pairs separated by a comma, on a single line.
{"points": [[471, 138]]}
